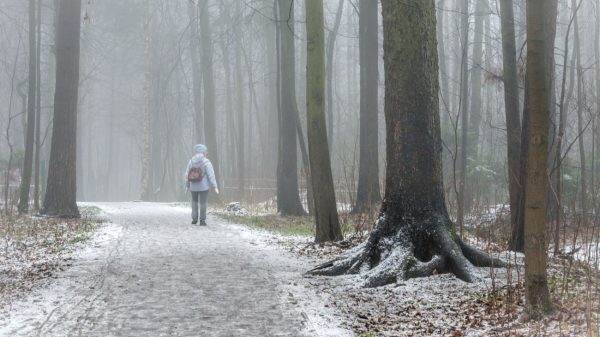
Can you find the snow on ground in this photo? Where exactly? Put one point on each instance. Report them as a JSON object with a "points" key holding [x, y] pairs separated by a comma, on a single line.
{"points": [[149, 272]]}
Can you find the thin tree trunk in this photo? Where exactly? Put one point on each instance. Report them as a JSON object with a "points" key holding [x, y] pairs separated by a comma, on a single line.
{"points": [[31, 101], [7, 205], [38, 112], [210, 123], [464, 115], [241, 161], [368, 194], [511, 103], [331, 37], [326, 216], [196, 73], [145, 178], [476, 104], [580, 98], [536, 285]]}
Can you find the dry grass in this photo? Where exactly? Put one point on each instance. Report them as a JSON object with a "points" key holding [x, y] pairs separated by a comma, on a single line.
{"points": [[34, 248]]}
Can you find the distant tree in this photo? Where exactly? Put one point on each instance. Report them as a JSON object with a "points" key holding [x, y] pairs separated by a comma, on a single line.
{"points": [[239, 93], [413, 236], [196, 75], [288, 198], [536, 284], [330, 53], [38, 111], [368, 194], [31, 101], [146, 129], [60, 199], [208, 77], [580, 107], [475, 109], [326, 216]]}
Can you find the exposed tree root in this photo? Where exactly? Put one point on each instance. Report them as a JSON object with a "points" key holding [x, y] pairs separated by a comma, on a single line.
{"points": [[395, 253]]}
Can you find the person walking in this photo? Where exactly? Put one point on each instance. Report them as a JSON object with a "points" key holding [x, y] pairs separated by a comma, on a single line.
{"points": [[199, 179]]}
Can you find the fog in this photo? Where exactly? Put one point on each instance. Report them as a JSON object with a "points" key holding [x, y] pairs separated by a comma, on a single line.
{"points": [[152, 71]]}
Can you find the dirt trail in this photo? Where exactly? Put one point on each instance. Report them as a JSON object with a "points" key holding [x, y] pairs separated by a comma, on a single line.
{"points": [[150, 273]]}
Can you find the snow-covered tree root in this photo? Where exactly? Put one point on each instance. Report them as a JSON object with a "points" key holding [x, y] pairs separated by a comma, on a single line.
{"points": [[409, 248]]}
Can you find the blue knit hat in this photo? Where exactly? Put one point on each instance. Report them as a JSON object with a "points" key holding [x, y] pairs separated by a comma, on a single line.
{"points": [[200, 148]]}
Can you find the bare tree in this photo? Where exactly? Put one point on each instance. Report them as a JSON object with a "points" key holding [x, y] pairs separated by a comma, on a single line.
{"points": [[368, 194], [288, 199], [31, 101], [511, 104], [413, 236], [536, 284], [331, 38], [326, 216]]}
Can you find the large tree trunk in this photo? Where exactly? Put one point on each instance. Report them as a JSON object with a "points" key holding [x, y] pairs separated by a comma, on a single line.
{"points": [[413, 236], [288, 198], [61, 192], [326, 216], [368, 194], [511, 104], [30, 135], [206, 57], [536, 285]]}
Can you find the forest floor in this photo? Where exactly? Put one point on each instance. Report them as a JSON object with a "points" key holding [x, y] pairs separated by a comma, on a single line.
{"points": [[147, 271], [443, 305]]}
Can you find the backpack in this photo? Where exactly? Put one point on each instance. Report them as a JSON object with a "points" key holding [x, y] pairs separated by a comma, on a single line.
{"points": [[196, 174]]}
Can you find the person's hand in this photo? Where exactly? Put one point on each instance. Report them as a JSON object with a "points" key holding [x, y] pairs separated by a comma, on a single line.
{"points": [[217, 190]]}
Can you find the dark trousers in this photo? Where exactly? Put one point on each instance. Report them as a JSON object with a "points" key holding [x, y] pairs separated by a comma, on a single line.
{"points": [[203, 198]]}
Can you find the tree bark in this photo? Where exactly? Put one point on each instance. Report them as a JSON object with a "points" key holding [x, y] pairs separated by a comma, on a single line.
{"points": [[517, 240], [326, 216], [413, 236], [31, 101], [536, 285], [288, 198], [331, 37], [511, 104], [60, 199], [368, 193]]}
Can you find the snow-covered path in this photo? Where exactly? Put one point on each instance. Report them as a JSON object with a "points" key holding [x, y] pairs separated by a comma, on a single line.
{"points": [[150, 273]]}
